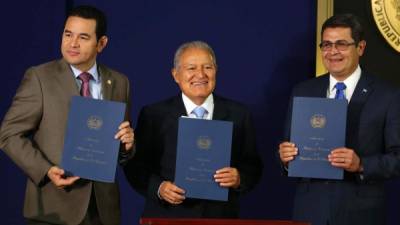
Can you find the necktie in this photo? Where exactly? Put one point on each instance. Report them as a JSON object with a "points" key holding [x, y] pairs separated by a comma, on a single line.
{"points": [[199, 112], [340, 87], [85, 78]]}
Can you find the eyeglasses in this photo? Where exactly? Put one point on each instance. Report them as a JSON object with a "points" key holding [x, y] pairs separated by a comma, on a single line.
{"points": [[340, 45]]}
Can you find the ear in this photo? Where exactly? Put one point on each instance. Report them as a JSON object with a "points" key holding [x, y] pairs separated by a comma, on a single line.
{"points": [[361, 47], [175, 75], [101, 43]]}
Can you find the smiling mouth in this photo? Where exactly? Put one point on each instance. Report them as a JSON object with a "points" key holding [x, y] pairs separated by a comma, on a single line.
{"points": [[335, 60], [73, 53], [198, 83]]}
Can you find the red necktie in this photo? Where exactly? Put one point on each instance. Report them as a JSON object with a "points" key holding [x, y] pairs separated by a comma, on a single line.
{"points": [[85, 78]]}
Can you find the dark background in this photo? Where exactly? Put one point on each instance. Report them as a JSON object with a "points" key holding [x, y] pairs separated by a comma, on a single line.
{"points": [[380, 58], [263, 48]]}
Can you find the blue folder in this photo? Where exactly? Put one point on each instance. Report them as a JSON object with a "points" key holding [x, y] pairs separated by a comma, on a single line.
{"points": [[204, 146], [90, 150], [318, 126]]}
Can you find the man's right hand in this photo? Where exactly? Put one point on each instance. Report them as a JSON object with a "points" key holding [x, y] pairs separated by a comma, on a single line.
{"points": [[171, 193], [287, 152], [56, 175]]}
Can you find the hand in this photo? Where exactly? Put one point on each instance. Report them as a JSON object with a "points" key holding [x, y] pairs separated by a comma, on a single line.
{"points": [[56, 175], [287, 152], [171, 193], [227, 177], [345, 158], [125, 135]]}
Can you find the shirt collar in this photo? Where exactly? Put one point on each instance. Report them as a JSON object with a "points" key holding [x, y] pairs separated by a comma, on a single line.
{"points": [[208, 104], [93, 71], [350, 82]]}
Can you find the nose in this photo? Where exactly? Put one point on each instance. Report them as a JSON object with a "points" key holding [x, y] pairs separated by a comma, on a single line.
{"points": [[74, 42], [333, 50], [202, 72]]}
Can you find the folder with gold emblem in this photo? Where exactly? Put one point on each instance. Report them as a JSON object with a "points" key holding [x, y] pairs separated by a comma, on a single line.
{"points": [[90, 150], [318, 126], [203, 147]]}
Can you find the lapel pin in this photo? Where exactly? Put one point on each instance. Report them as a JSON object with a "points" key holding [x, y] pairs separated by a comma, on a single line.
{"points": [[364, 90], [109, 82]]}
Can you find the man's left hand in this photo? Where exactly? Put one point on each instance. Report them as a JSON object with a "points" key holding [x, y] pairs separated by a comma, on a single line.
{"points": [[227, 177], [345, 158], [125, 135]]}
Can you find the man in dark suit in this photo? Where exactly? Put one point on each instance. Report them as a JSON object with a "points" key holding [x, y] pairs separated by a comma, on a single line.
{"points": [[152, 170], [371, 154], [32, 132]]}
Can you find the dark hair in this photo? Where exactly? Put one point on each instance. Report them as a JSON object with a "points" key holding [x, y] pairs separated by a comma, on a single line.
{"points": [[90, 12], [345, 21]]}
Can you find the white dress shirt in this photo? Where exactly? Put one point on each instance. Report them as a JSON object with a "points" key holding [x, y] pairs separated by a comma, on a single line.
{"points": [[350, 83], [208, 104], [94, 84]]}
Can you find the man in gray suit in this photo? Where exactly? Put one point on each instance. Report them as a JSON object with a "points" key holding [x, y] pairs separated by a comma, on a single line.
{"points": [[32, 132]]}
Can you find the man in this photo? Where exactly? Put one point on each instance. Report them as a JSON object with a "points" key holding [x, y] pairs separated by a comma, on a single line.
{"points": [[371, 153], [32, 132], [151, 172]]}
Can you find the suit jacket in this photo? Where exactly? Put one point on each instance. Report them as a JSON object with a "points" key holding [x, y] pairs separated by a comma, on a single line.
{"points": [[32, 135], [154, 161], [373, 131]]}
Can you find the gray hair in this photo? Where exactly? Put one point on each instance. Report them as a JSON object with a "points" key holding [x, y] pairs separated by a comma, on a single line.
{"points": [[193, 44]]}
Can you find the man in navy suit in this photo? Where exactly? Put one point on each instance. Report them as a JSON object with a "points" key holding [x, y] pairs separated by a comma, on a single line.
{"points": [[371, 154], [152, 170]]}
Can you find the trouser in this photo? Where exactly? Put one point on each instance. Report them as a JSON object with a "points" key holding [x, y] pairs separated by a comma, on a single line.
{"points": [[91, 217]]}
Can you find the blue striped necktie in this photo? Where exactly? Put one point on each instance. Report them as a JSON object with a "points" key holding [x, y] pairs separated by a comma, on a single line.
{"points": [[340, 87]]}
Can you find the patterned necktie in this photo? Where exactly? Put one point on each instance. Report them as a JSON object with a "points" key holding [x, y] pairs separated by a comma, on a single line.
{"points": [[199, 112], [85, 78], [340, 87]]}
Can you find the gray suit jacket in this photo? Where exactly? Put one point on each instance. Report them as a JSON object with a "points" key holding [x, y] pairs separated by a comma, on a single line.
{"points": [[32, 135]]}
